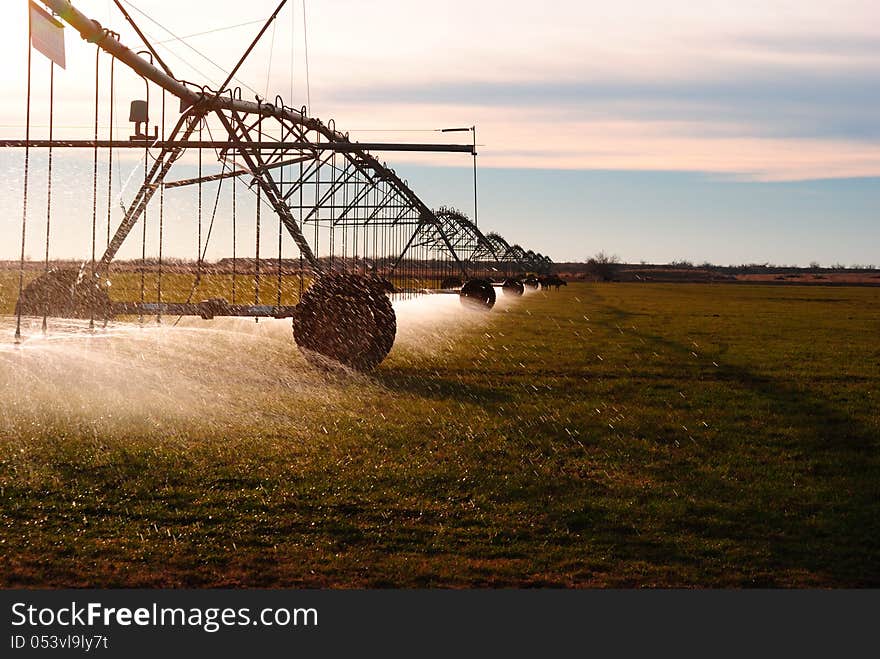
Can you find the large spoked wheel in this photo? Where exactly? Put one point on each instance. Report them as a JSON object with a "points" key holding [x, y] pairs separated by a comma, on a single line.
{"points": [[346, 318], [65, 293], [513, 287], [478, 294]]}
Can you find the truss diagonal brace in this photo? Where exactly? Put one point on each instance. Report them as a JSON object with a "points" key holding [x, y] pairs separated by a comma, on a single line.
{"points": [[155, 177], [273, 194]]}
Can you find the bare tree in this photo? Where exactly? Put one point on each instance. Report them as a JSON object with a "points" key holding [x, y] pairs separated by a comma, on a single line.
{"points": [[602, 265]]}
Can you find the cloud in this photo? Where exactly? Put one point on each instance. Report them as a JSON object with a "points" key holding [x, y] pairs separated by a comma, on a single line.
{"points": [[813, 44], [776, 89], [544, 137], [760, 105], [771, 121]]}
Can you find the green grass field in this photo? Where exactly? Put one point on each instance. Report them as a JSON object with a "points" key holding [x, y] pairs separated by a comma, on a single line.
{"points": [[618, 435]]}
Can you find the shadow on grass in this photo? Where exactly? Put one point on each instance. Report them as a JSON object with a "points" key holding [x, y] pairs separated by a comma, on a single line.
{"points": [[833, 527], [439, 387]]}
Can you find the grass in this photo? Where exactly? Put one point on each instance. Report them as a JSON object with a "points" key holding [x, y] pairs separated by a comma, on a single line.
{"points": [[619, 435]]}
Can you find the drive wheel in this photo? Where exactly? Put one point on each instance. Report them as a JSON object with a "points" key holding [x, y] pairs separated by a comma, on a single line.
{"points": [[513, 287], [346, 318], [478, 294]]}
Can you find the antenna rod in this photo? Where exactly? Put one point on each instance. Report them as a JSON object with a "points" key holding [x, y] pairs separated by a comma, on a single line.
{"points": [[474, 129]]}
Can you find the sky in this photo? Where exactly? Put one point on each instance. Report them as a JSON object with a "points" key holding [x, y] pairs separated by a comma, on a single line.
{"points": [[655, 130]]}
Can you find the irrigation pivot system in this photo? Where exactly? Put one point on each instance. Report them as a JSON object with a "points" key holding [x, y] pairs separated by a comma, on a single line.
{"points": [[360, 235]]}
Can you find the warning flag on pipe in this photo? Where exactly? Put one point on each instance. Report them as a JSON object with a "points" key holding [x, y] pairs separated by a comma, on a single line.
{"points": [[47, 34]]}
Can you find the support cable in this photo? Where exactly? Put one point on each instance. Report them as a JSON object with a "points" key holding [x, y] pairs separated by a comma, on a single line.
{"points": [[292, 42], [161, 228], [193, 49], [334, 172], [301, 229], [143, 38], [234, 239], [49, 173], [306, 43], [257, 238], [27, 138], [199, 215], [235, 69], [211, 31], [95, 184], [144, 213], [280, 234], [271, 52], [110, 150], [203, 249]]}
